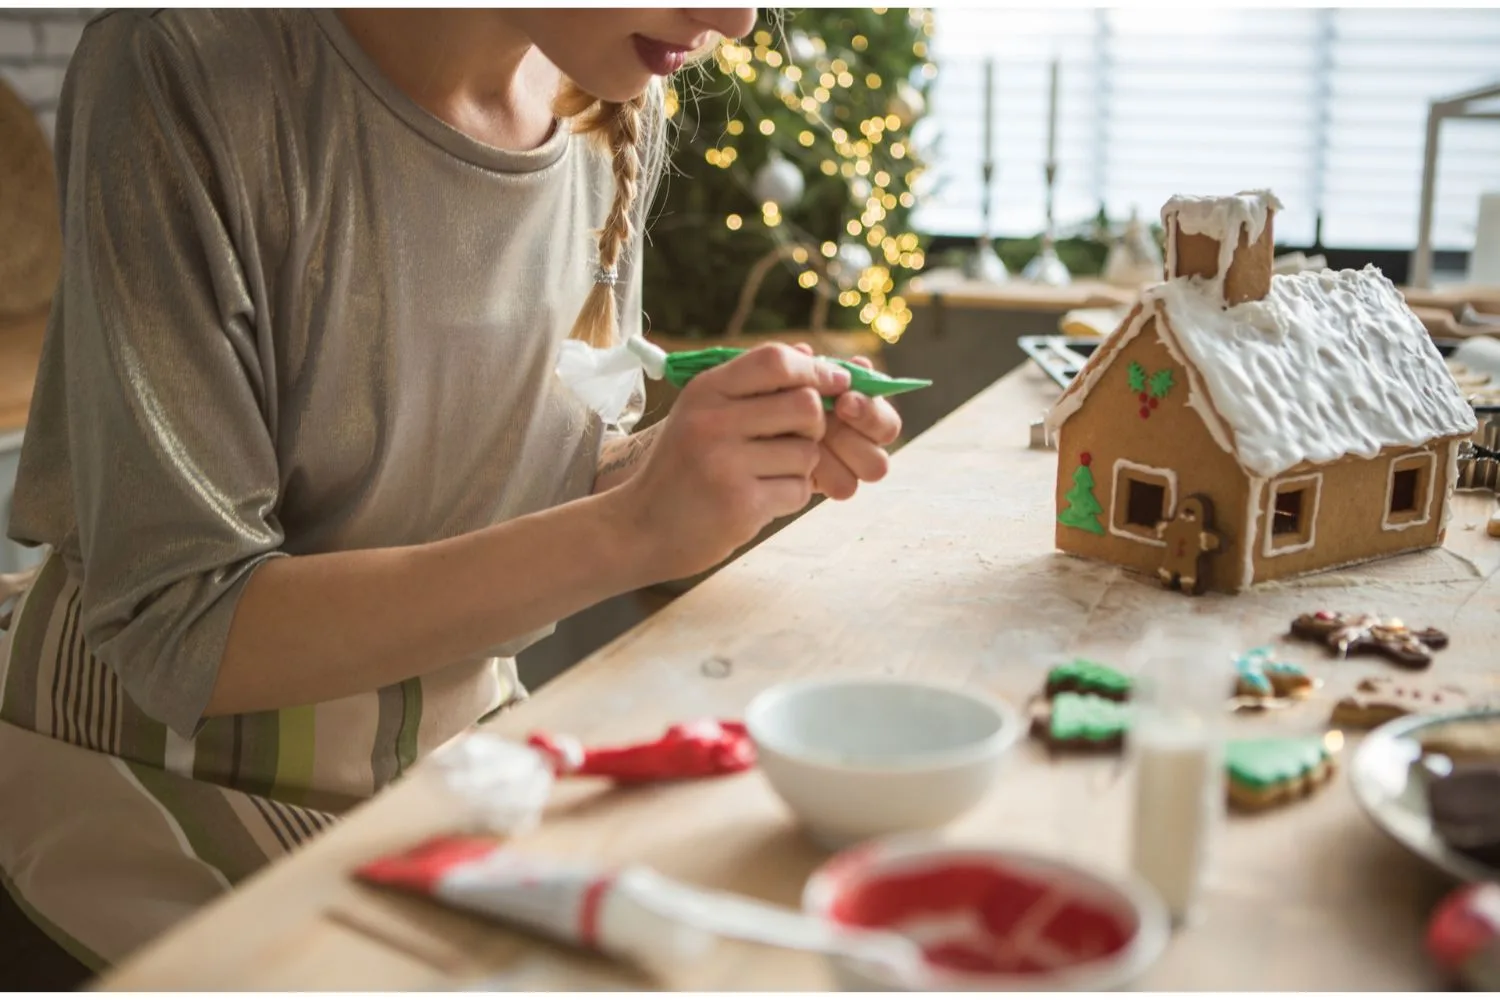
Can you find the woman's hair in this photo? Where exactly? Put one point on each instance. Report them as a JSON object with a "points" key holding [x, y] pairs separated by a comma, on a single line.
{"points": [[634, 133]]}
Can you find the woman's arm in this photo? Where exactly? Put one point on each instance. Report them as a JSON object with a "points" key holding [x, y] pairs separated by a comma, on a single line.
{"points": [[621, 456], [318, 627], [737, 451]]}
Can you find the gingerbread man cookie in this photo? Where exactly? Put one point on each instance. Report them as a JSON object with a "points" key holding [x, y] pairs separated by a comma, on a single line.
{"points": [[1378, 700], [1190, 542], [1348, 635]]}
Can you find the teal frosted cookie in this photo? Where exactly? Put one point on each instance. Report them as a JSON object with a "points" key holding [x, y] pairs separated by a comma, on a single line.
{"points": [[1088, 677], [1257, 675], [1084, 722], [1271, 770]]}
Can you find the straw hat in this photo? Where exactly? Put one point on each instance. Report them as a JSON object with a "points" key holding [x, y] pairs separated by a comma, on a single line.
{"points": [[30, 233]]}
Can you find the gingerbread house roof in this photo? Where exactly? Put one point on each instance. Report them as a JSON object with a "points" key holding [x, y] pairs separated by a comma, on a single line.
{"points": [[1328, 365]]}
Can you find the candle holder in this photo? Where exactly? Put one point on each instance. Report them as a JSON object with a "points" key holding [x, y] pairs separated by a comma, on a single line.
{"points": [[983, 263], [1047, 268]]}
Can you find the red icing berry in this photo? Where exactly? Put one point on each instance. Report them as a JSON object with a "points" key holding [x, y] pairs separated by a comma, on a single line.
{"points": [[1153, 403], [1145, 412], [1144, 397], [1085, 458], [1326, 616]]}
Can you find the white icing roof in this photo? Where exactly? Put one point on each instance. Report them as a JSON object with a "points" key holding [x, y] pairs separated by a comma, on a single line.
{"points": [[1329, 364]]}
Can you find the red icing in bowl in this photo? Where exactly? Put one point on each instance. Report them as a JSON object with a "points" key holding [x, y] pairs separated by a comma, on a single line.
{"points": [[987, 917]]}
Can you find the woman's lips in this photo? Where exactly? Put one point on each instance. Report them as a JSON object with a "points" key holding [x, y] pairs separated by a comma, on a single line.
{"points": [[661, 58]]}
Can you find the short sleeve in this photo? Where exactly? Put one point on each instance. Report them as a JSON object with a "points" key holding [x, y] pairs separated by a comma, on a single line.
{"points": [[155, 368]]}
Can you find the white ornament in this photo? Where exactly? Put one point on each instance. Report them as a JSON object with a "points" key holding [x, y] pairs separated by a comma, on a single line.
{"points": [[802, 47], [860, 188], [778, 182], [908, 104]]}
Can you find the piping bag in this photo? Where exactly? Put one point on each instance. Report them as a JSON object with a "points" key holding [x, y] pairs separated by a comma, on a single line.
{"points": [[681, 367], [632, 913], [703, 748]]}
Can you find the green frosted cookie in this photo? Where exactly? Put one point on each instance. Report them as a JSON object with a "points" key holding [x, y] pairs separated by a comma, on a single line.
{"points": [[1072, 721], [1267, 771], [1088, 677]]}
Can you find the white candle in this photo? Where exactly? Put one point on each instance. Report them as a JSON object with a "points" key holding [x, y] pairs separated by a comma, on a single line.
{"points": [[1052, 117], [989, 111]]}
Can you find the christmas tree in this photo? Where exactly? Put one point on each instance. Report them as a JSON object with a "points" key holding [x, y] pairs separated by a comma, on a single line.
{"points": [[793, 156], [1083, 510]]}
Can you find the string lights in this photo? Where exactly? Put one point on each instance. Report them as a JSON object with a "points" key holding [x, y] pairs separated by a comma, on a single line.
{"points": [[807, 80]]}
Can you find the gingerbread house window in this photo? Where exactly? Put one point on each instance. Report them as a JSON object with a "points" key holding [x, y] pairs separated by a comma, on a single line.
{"points": [[1408, 494], [1292, 514], [1143, 497]]}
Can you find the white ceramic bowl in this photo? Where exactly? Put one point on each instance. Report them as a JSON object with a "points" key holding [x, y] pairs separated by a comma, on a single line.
{"points": [[990, 919], [861, 758]]}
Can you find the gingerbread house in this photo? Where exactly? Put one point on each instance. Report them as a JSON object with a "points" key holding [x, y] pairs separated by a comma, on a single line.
{"points": [[1252, 427]]}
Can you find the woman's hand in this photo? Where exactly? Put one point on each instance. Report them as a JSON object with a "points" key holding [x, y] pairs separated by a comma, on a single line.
{"points": [[738, 450], [853, 448]]}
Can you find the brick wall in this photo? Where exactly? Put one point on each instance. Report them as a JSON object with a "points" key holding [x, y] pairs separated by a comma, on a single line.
{"points": [[35, 45]]}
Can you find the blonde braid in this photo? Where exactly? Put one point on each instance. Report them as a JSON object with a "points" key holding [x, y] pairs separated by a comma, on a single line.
{"points": [[618, 126]]}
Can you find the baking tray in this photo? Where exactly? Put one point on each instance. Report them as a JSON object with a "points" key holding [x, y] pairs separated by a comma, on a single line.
{"points": [[1061, 357]]}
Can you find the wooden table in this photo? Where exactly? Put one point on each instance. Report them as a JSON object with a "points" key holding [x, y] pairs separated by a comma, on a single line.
{"points": [[945, 571]]}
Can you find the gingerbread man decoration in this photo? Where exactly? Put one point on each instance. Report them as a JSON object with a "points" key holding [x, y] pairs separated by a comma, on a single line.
{"points": [[1191, 540]]}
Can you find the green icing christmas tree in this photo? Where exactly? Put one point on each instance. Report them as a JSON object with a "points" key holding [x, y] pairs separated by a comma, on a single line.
{"points": [[1083, 510]]}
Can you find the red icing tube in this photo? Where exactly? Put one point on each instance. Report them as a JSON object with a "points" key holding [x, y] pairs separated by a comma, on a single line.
{"points": [[572, 902], [700, 749]]}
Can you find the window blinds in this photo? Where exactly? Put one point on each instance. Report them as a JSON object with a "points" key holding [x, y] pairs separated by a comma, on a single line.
{"points": [[1326, 107]]}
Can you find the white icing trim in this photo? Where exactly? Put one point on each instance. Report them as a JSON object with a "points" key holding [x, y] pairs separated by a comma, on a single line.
{"points": [[1197, 399], [1083, 383], [1252, 524], [1450, 483], [1386, 524], [1270, 549], [1169, 511], [1220, 219]]}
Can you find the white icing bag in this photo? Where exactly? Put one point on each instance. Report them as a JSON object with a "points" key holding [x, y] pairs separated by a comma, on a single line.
{"points": [[496, 786], [609, 380]]}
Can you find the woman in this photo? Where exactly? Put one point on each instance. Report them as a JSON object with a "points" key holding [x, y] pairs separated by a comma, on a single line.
{"points": [[297, 445]]}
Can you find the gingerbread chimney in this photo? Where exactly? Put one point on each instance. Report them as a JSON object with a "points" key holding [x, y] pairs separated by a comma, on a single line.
{"points": [[1226, 240]]}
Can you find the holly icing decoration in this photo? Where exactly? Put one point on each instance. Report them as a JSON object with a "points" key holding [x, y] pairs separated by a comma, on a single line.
{"points": [[1150, 389], [1083, 510]]}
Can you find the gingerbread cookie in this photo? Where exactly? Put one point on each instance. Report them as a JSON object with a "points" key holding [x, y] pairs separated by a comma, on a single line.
{"points": [[1465, 810], [1463, 740], [1349, 635], [1190, 542], [1088, 677], [1269, 771], [1378, 700], [1257, 675], [1081, 722]]}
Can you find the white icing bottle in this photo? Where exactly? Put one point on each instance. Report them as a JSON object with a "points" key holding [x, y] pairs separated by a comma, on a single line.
{"points": [[1176, 751]]}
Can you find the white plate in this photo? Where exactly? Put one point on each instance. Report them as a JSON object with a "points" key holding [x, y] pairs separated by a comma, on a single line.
{"points": [[1387, 778]]}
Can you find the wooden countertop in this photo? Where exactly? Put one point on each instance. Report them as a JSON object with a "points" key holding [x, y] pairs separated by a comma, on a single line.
{"points": [[946, 570]]}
